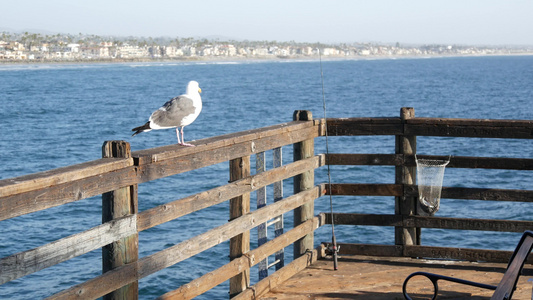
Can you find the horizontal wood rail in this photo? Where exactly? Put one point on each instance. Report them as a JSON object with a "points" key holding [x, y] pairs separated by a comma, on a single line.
{"points": [[485, 255], [27, 262], [455, 161], [430, 222], [377, 189], [510, 129]]}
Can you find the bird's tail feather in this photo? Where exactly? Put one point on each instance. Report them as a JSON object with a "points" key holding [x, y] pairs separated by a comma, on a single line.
{"points": [[145, 127]]}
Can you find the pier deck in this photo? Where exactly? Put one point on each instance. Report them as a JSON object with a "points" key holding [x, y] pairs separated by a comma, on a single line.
{"points": [[376, 278]]}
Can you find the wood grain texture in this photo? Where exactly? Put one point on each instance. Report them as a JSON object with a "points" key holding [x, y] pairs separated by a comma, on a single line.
{"points": [[28, 262], [239, 206]]}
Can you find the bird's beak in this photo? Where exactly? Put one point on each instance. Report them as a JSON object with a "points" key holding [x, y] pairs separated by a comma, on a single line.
{"points": [[199, 90]]}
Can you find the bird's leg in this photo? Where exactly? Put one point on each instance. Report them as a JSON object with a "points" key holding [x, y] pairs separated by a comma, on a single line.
{"points": [[178, 135], [183, 140]]}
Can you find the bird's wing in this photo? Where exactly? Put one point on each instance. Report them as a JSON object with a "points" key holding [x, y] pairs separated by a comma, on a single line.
{"points": [[172, 113]]}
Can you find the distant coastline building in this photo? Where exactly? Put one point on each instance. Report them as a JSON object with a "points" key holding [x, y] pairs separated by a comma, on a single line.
{"points": [[85, 48]]}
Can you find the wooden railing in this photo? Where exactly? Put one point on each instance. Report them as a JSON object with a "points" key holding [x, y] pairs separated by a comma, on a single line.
{"points": [[117, 175], [405, 218]]}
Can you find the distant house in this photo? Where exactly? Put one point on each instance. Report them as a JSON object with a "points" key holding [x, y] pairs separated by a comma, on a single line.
{"points": [[330, 51], [94, 52], [16, 46], [307, 51], [261, 51], [73, 48], [172, 51], [128, 51], [242, 51], [189, 51]]}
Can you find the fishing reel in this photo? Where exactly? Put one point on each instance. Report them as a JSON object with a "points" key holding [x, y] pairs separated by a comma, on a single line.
{"points": [[332, 249]]}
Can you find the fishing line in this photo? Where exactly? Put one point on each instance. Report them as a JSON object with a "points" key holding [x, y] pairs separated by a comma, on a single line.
{"points": [[334, 240]]}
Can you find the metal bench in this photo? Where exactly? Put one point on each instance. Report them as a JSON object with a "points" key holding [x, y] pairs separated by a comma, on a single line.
{"points": [[504, 290]]}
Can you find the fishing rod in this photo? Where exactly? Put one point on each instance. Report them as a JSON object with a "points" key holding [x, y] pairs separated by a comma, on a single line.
{"points": [[333, 238]]}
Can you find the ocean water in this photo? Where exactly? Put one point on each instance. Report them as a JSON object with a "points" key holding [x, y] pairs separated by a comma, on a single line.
{"points": [[58, 115]]}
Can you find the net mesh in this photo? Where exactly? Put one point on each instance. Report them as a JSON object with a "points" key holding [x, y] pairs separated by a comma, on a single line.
{"points": [[430, 173]]}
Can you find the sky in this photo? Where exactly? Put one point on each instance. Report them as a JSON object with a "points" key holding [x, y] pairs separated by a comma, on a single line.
{"points": [[461, 22]]}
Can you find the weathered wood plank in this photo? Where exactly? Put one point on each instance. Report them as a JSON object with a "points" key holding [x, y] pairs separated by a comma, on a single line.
{"points": [[484, 255], [471, 162], [196, 160], [366, 189], [507, 285], [479, 194], [172, 210], [117, 204], [41, 180], [218, 276], [245, 137], [261, 201], [240, 244], [470, 128], [365, 219], [405, 145], [371, 249], [473, 122], [487, 194], [467, 254], [101, 285], [277, 162], [467, 162], [36, 200], [302, 182], [118, 277], [27, 262], [432, 127], [430, 222], [365, 159], [468, 224], [364, 126]]}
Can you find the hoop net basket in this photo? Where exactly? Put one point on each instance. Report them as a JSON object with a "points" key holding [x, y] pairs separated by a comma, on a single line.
{"points": [[430, 173]]}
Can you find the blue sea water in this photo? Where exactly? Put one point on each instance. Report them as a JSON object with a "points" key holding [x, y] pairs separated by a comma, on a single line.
{"points": [[58, 115]]}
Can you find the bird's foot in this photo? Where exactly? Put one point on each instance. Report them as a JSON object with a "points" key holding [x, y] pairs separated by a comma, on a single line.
{"points": [[186, 144]]}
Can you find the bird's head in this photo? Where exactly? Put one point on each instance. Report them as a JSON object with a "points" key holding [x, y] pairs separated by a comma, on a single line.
{"points": [[193, 87]]}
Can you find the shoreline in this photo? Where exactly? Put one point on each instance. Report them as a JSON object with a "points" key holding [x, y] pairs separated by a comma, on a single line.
{"points": [[199, 59]]}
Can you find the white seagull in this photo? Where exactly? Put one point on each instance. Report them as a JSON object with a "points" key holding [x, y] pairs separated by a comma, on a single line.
{"points": [[177, 113]]}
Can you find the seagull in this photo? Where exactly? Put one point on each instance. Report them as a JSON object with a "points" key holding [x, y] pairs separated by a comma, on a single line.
{"points": [[177, 113]]}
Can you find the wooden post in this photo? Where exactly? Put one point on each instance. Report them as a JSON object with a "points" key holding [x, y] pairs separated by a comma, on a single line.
{"points": [[116, 204], [303, 182], [406, 145], [240, 244], [278, 195], [262, 236]]}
